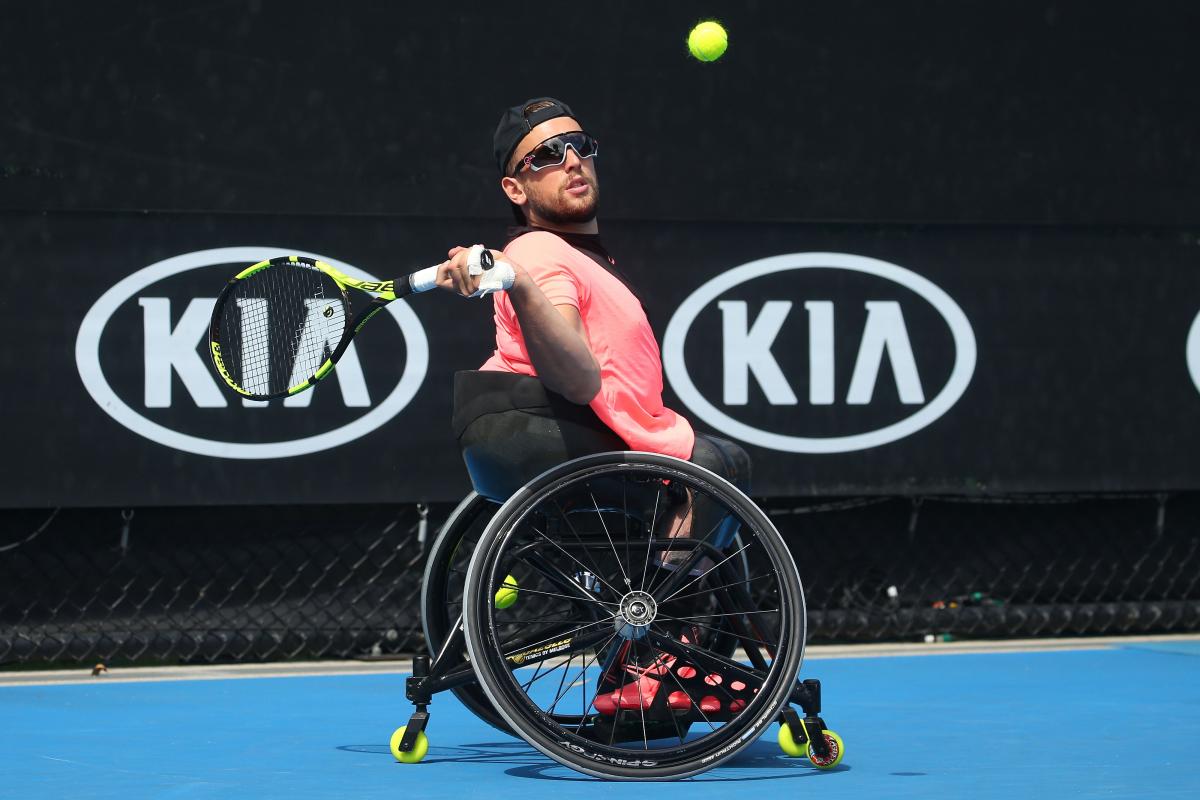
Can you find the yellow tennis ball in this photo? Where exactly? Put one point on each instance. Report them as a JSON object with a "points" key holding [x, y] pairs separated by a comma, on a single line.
{"points": [[708, 41], [506, 595]]}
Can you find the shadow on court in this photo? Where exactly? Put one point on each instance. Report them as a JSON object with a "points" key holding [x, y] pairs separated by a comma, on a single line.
{"points": [[526, 762]]}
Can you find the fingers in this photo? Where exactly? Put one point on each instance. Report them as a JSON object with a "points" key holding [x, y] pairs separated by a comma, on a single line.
{"points": [[458, 249], [454, 275], [467, 283]]}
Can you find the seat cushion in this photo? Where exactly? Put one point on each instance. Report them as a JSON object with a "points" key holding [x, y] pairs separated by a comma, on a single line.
{"points": [[511, 429]]}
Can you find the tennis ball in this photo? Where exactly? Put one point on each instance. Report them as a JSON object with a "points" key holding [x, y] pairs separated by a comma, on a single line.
{"points": [[506, 595], [708, 41]]}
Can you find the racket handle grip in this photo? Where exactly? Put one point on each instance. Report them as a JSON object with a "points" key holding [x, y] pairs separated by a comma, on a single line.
{"points": [[423, 279], [496, 276]]}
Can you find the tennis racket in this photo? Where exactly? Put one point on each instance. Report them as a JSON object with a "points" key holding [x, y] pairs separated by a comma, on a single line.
{"points": [[280, 326]]}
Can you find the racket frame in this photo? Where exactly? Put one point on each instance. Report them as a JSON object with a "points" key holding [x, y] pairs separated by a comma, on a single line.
{"points": [[385, 291]]}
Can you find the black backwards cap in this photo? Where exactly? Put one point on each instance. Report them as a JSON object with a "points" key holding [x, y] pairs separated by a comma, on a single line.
{"points": [[516, 122]]}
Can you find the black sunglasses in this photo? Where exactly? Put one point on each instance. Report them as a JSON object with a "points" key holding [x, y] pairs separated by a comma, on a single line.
{"points": [[553, 151]]}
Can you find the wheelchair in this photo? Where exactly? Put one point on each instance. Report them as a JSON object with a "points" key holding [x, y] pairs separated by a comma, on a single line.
{"points": [[631, 615]]}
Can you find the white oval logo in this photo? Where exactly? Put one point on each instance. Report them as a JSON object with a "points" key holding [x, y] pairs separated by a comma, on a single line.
{"points": [[681, 381], [1193, 351], [87, 359]]}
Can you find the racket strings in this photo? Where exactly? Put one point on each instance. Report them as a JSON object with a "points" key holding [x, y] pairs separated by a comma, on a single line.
{"points": [[281, 326]]}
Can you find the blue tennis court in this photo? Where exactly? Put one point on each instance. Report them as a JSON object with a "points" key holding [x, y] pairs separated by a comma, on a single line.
{"points": [[1119, 720]]}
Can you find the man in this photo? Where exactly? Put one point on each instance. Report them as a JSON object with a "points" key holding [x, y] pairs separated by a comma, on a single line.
{"points": [[572, 321], [570, 318]]}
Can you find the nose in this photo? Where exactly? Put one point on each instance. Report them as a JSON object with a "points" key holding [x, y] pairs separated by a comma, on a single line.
{"points": [[572, 161]]}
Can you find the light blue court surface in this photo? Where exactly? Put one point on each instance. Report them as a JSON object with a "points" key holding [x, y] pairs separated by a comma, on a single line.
{"points": [[1116, 722]]}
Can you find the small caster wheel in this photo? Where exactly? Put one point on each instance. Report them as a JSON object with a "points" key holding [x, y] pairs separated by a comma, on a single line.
{"points": [[836, 751], [416, 754], [788, 746]]}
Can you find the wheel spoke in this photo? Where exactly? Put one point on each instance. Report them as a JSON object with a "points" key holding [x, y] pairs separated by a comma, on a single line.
{"points": [[700, 710], [701, 575], [711, 589], [730, 614], [595, 568], [582, 674], [641, 704], [561, 681], [557, 615], [561, 581], [571, 633], [607, 535], [704, 658], [650, 536], [525, 686], [577, 561], [663, 558], [720, 686], [625, 520], [717, 630], [592, 704], [574, 598]]}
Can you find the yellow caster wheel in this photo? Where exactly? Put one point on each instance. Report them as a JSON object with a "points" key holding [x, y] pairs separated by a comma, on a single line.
{"points": [[836, 751], [416, 754], [789, 747]]}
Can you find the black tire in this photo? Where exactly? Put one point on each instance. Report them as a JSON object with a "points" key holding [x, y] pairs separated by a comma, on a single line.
{"points": [[442, 591], [627, 559]]}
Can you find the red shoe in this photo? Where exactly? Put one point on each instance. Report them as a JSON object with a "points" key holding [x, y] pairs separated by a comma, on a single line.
{"points": [[641, 692]]}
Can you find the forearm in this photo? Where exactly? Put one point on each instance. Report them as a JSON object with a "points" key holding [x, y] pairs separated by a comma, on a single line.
{"points": [[560, 354]]}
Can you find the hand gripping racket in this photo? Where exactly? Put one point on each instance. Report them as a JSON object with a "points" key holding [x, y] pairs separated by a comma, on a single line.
{"points": [[279, 326]]}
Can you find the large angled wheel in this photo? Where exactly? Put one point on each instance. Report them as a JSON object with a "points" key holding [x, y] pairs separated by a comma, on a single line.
{"points": [[442, 591], [616, 661]]}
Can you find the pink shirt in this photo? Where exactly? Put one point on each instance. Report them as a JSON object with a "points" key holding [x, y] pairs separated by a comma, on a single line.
{"points": [[630, 397]]}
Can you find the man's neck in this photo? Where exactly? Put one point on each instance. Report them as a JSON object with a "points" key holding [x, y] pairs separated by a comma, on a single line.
{"points": [[591, 226]]}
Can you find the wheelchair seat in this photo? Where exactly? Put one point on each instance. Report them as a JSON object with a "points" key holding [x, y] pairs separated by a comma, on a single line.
{"points": [[511, 428]]}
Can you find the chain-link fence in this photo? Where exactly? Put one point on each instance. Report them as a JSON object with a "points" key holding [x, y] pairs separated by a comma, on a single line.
{"points": [[252, 584], [904, 569], [209, 584]]}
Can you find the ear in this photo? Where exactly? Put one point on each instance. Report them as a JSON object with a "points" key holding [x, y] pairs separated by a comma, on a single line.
{"points": [[513, 189]]}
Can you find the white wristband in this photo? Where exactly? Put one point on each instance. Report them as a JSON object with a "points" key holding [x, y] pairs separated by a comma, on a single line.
{"points": [[496, 279]]}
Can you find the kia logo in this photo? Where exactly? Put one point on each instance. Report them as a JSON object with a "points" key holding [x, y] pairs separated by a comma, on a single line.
{"points": [[141, 350], [1193, 351], [816, 319]]}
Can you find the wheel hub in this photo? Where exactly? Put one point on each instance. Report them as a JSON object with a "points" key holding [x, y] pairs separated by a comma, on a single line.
{"points": [[636, 612]]}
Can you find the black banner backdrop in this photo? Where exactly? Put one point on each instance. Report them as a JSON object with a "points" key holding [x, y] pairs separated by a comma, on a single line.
{"points": [[849, 359], [161, 148], [1022, 111]]}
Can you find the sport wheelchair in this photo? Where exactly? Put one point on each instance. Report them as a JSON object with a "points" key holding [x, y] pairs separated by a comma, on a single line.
{"points": [[631, 615]]}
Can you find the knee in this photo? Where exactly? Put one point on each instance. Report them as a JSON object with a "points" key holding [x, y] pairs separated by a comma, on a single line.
{"points": [[728, 459]]}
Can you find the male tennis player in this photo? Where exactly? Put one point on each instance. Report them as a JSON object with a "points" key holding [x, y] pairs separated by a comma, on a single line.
{"points": [[573, 321], [571, 318]]}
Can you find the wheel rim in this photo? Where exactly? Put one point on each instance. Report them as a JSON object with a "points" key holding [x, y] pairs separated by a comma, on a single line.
{"points": [[596, 671], [442, 590]]}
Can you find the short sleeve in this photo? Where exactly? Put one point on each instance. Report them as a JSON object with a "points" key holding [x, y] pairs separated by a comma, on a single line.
{"points": [[544, 256]]}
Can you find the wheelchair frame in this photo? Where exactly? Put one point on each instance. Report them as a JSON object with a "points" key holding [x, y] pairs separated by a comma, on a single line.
{"points": [[447, 667]]}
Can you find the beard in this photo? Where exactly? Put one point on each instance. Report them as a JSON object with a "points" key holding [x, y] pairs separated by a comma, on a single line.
{"points": [[561, 209]]}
